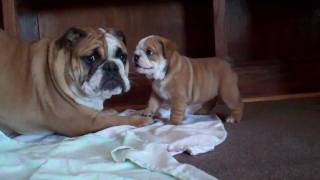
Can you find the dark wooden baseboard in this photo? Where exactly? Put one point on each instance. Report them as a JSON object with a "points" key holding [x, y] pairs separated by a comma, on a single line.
{"points": [[277, 77], [124, 106], [282, 97]]}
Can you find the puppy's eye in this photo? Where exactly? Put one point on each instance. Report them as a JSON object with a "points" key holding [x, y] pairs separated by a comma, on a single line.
{"points": [[149, 52]]}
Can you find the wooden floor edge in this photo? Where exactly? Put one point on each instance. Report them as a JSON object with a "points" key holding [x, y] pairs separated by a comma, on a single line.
{"points": [[281, 97], [245, 100]]}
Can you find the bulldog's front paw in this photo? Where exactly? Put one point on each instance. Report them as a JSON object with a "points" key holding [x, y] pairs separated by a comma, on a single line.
{"points": [[147, 113], [143, 120], [111, 112]]}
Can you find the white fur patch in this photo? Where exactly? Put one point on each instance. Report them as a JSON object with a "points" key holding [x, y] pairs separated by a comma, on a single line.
{"points": [[95, 97], [92, 87], [113, 44], [153, 70], [158, 86], [122, 73], [96, 102]]}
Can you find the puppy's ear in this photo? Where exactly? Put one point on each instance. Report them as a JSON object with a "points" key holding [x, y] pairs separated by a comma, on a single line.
{"points": [[118, 34], [168, 47], [71, 37]]}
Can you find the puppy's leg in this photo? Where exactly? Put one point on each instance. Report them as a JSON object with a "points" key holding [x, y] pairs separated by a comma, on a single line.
{"points": [[153, 105], [230, 94], [207, 107], [178, 108]]}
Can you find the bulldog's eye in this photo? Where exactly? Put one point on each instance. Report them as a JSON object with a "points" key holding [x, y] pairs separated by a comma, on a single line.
{"points": [[123, 58], [149, 52], [90, 59], [121, 55]]}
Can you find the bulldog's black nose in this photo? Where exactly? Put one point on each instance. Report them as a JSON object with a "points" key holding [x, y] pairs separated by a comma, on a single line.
{"points": [[136, 58], [110, 67]]}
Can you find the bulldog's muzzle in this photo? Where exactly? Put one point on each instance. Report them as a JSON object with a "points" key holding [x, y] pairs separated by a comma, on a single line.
{"points": [[111, 77]]}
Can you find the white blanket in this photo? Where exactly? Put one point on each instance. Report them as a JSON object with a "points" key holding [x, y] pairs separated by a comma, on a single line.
{"points": [[117, 152]]}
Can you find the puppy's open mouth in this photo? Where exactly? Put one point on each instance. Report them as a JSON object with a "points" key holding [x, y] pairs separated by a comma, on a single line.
{"points": [[138, 66]]}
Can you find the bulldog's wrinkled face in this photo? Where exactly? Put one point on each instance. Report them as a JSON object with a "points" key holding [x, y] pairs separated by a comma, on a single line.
{"points": [[98, 68], [152, 56]]}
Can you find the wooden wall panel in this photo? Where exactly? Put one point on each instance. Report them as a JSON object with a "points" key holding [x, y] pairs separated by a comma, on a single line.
{"points": [[273, 30], [219, 28], [273, 45], [188, 24], [1, 16], [270, 78], [9, 17], [27, 19]]}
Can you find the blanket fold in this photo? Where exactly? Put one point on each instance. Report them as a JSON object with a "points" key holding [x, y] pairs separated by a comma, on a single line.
{"points": [[155, 157], [121, 152]]}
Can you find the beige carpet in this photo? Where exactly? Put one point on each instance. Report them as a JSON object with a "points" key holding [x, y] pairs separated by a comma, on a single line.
{"points": [[275, 140]]}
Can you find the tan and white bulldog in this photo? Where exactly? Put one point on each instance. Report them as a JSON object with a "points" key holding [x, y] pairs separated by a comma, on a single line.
{"points": [[60, 85], [182, 81]]}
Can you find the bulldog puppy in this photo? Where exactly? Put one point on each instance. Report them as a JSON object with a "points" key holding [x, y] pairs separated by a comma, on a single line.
{"points": [[60, 85], [182, 81]]}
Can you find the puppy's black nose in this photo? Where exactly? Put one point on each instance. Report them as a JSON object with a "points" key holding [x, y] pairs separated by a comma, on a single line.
{"points": [[110, 67], [136, 58]]}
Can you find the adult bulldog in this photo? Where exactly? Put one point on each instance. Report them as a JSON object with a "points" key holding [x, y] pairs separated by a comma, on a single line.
{"points": [[60, 85]]}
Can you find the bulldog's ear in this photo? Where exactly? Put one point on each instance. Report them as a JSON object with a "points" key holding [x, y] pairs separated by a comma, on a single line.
{"points": [[71, 37], [118, 34], [168, 47]]}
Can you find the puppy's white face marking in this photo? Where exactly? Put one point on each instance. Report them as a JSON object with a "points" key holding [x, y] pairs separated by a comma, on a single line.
{"points": [[94, 95], [152, 69]]}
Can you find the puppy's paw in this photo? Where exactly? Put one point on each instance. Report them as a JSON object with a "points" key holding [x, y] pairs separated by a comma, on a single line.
{"points": [[175, 122], [231, 119], [202, 111]]}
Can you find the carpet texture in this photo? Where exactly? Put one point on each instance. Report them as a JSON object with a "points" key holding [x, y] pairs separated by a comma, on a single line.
{"points": [[275, 140]]}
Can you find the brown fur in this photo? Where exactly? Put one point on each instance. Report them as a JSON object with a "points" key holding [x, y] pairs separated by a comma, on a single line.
{"points": [[34, 85], [191, 81]]}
